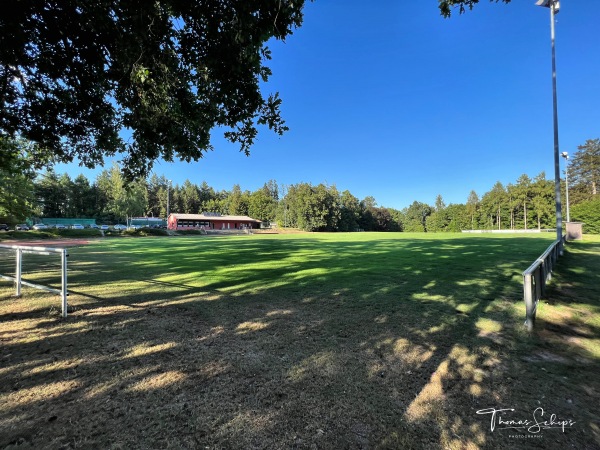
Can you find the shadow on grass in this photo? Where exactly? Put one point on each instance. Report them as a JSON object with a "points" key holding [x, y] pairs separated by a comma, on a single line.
{"points": [[358, 343]]}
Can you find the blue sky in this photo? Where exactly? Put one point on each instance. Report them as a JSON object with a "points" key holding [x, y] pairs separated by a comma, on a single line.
{"points": [[389, 99]]}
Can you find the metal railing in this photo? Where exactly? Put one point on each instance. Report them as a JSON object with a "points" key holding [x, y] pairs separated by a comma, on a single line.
{"points": [[20, 250], [536, 277]]}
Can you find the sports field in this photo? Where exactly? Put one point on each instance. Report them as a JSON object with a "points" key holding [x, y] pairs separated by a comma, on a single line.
{"points": [[363, 340]]}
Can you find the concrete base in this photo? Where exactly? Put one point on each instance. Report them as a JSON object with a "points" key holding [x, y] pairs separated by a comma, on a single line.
{"points": [[574, 231]]}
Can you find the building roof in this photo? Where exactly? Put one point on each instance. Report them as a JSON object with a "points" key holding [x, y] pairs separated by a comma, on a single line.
{"points": [[209, 217], [156, 219]]}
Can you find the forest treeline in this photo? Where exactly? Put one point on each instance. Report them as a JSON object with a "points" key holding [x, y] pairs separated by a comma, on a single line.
{"points": [[524, 204]]}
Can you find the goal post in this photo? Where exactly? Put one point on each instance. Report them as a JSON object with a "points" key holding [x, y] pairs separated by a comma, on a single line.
{"points": [[21, 250]]}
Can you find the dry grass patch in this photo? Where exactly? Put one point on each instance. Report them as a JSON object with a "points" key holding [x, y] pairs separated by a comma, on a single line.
{"points": [[297, 341]]}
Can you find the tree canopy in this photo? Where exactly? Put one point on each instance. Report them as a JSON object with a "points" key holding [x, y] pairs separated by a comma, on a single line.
{"points": [[16, 179], [144, 80], [584, 171], [446, 6], [75, 76]]}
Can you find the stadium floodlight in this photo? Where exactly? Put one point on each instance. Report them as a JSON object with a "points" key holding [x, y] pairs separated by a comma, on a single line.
{"points": [[566, 156], [549, 4], [554, 6]]}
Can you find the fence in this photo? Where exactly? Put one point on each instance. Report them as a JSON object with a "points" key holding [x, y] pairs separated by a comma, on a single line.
{"points": [[531, 230], [66, 221], [20, 250], [536, 277]]}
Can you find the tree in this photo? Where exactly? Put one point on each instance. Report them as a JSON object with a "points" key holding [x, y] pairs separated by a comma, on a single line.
{"points": [[398, 219], [368, 221], [66, 187], [262, 205], [584, 172], [588, 212], [176, 199], [311, 208], [416, 217], [349, 212], [17, 199], [513, 202], [543, 200], [161, 196], [438, 220], [127, 199], [103, 190], [472, 207], [383, 220], [157, 195], [82, 197], [523, 195], [271, 189], [459, 218], [206, 193], [369, 202], [190, 198], [493, 203], [440, 205], [447, 5], [76, 74], [215, 205], [238, 201], [327, 206], [50, 194], [297, 209]]}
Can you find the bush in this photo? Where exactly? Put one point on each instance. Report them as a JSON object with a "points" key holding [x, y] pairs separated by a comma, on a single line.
{"points": [[19, 235], [45, 234], [190, 232], [113, 233], [146, 232], [88, 233], [587, 212]]}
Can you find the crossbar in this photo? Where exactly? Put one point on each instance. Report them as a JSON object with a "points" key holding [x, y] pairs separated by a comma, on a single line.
{"points": [[18, 279], [31, 249], [535, 279]]}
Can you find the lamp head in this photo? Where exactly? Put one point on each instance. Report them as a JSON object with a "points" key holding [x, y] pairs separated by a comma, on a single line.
{"points": [[548, 4]]}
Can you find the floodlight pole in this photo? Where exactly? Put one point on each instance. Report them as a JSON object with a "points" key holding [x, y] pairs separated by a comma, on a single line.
{"points": [[554, 6], [566, 156], [168, 197]]}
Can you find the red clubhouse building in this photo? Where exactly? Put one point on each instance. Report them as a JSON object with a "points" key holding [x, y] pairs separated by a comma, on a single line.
{"points": [[210, 221]]}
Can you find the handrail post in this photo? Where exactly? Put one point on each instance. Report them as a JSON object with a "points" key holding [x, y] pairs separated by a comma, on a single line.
{"points": [[19, 270], [529, 303], [64, 282]]}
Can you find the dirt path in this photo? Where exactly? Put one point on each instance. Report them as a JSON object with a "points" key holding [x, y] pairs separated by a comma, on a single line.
{"points": [[48, 242]]}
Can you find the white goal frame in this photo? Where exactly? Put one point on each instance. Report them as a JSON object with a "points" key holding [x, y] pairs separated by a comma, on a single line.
{"points": [[20, 250]]}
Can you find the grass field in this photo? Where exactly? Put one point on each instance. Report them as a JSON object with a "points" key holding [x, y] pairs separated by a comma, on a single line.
{"points": [[301, 341]]}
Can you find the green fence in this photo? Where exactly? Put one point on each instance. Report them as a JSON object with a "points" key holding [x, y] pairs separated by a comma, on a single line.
{"points": [[147, 221], [66, 221]]}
